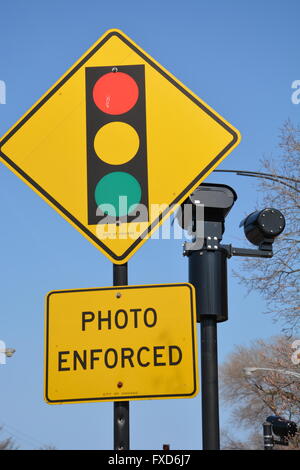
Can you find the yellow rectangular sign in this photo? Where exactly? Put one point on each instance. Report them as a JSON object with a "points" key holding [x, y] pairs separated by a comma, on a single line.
{"points": [[121, 343]]}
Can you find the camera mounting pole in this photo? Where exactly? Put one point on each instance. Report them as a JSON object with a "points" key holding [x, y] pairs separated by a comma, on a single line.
{"points": [[210, 204], [208, 273]]}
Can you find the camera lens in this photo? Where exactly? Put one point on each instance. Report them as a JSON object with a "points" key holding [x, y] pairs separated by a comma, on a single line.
{"points": [[271, 222], [263, 226]]}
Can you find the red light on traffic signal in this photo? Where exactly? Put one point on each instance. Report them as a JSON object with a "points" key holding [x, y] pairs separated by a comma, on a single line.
{"points": [[115, 93]]}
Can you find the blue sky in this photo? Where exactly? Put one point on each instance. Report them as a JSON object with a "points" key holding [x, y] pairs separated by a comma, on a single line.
{"points": [[239, 57]]}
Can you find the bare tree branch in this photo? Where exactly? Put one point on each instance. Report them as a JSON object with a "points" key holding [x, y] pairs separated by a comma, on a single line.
{"points": [[278, 279], [252, 398]]}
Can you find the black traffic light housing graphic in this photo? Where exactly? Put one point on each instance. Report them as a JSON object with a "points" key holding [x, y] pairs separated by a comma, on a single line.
{"points": [[116, 143]]}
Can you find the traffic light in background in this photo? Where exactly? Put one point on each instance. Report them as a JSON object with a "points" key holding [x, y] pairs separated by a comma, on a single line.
{"points": [[116, 143]]}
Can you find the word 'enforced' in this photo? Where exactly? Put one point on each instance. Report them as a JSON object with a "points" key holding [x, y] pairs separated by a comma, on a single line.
{"points": [[124, 357]]}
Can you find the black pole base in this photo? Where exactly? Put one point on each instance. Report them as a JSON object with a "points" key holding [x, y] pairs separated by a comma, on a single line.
{"points": [[121, 425], [209, 384]]}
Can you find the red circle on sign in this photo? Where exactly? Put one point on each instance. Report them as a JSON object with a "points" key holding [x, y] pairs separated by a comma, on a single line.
{"points": [[115, 93]]}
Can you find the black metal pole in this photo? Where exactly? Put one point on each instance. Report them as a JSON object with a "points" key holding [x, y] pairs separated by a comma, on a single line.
{"points": [[208, 274], [121, 408], [209, 381], [268, 436]]}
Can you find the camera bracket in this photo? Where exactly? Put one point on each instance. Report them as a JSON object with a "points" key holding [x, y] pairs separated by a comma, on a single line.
{"points": [[264, 251]]}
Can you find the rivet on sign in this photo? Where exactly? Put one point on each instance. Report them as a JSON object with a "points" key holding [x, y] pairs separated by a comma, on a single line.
{"points": [[114, 69], [118, 295], [120, 384]]}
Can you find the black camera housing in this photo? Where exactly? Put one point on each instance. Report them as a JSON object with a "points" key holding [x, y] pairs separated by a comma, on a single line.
{"points": [[262, 227], [217, 200], [282, 427]]}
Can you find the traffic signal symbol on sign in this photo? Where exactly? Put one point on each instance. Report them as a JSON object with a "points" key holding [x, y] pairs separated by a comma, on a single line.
{"points": [[116, 143]]}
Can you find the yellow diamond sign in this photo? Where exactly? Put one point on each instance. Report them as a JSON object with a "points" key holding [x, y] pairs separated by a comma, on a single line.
{"points": [[121, 343], [116, 144]]}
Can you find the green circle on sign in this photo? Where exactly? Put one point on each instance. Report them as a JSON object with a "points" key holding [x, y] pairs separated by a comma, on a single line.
{"points": [[117, 192]]}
